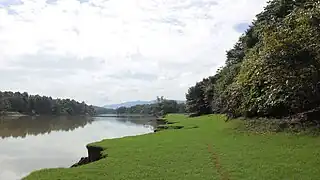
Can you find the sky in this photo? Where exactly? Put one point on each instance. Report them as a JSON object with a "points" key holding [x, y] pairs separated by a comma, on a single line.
{"points": [[112, 51]]}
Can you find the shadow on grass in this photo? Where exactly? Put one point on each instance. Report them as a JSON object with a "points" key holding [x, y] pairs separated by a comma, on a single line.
{"points": [[171, 125]]}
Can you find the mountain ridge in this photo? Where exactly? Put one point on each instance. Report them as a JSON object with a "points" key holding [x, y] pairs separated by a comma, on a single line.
{"points": [[132, 103]]}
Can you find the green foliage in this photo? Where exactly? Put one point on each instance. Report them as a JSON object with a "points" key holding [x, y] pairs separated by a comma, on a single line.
{"points": [[212, 151], [197, 101], [102, 110], [274, 68], [35, 104], [161, 107]]}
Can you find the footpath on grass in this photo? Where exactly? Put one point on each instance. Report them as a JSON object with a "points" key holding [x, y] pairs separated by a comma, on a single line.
{"points": [[204, 148]]}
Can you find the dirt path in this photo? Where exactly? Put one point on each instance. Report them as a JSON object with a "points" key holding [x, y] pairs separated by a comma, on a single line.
{"points": [[224, 175]]}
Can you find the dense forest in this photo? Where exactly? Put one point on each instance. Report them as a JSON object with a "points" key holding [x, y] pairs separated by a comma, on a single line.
{"points": [[35, 104], [272, 71], [161, 107]]}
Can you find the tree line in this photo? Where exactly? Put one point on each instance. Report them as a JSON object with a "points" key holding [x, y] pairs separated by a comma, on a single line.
{"points": [[35, 104], [272, 71], [102, 110], [161, 107]]}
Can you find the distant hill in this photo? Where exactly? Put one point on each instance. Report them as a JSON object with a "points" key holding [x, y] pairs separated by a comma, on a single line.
{"points": [[103, 110], [132, 103], [127, 104]]}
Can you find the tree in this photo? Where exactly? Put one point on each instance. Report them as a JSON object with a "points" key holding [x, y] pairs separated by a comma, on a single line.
{"points": [[197, 101], [272, 71]]}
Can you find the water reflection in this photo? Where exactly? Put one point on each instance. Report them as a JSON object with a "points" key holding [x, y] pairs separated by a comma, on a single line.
{"points": [[140, 120], [26, 125], [29, 144]]}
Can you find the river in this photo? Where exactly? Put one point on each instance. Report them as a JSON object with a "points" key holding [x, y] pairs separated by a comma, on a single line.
{"points": [[31, 143]]}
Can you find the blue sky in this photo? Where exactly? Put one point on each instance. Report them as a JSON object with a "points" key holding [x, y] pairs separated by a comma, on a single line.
{"points": [[241, 27], [10, 2], [110, 51]]}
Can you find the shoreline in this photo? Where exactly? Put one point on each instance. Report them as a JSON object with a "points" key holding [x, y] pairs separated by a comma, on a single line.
{"points": [[95, 153], [182, 141]]}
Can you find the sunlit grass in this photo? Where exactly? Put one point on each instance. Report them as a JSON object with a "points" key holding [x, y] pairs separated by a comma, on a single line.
{"points": [[206, 148]]}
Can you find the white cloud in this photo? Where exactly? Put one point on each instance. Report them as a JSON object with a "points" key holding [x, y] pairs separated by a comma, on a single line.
{"points": [[116, 50]]}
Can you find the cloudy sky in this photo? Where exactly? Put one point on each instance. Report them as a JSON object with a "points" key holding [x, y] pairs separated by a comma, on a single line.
{"points": [[110, 51]]}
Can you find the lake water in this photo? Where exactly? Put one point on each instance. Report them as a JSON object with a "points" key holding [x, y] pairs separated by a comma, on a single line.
{"points": [[31, 143]]}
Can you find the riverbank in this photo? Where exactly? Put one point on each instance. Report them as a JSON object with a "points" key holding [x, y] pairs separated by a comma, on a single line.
{"points": [[201, 148]]}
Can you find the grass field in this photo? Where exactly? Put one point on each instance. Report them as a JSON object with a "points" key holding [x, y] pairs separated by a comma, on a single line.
{"points": [[206, 148]]}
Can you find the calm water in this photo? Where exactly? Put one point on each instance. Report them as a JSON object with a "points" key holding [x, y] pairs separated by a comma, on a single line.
{"points": [[31, 143]]}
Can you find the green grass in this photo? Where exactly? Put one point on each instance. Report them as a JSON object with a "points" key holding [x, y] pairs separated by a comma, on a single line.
{"points": [[206, 148]]}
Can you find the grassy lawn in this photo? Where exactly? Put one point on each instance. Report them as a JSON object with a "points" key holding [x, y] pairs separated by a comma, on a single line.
{"points": [[206, 148]]}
